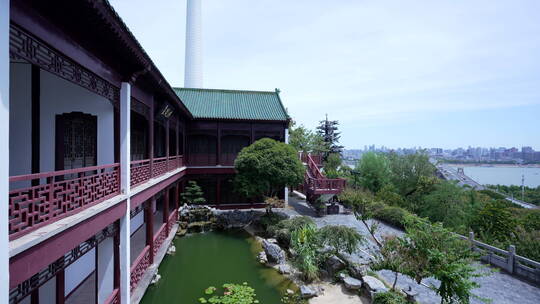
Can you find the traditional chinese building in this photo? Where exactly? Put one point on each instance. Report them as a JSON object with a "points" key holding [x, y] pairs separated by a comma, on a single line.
{"points": [[96, 147]]}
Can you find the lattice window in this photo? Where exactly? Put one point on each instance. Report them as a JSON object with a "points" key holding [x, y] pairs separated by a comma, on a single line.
{"points": [[79, 137]]}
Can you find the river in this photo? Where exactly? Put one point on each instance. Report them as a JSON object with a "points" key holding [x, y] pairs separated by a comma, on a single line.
{"points": [[503, 175]]}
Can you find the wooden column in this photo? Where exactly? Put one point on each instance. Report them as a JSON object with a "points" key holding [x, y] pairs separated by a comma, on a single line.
{"points": [[60, 287], [178, 137], [167, 136], [218, 158], [149, 219], [166, 198], [116, 282], [184, 136], [218, 190], [36, 92], [151, 137], [177, 196], [252, 134]]}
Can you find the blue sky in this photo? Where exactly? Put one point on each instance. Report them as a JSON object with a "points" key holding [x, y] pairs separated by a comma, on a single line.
{"points": [[396, 73]]}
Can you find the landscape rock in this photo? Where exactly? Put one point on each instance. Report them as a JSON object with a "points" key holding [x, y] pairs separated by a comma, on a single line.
{"points": [[358, 271], [263, 259], [284, 269], [307, 292], [334, 265], [272, 240], [352, 283], [373, 285], [342, 276], [236, 218], [171, 250], [155, 279], [274, 253]]}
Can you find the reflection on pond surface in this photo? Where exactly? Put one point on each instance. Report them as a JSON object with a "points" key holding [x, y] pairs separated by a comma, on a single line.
{"points": [[212, 259]]}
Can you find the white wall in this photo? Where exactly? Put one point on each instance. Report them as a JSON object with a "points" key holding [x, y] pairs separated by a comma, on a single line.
{"points": [[79, 270], [27, 300], [20, 117], [136, 222], [60, 96], [47, 292], [105, 269]]}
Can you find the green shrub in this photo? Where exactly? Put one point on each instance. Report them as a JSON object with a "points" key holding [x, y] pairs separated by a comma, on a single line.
{"points": [[352, 197], [341, 238], [527, 243], [492, 194], [269, 221], [389, 298], [283, 229], [392, 215]]}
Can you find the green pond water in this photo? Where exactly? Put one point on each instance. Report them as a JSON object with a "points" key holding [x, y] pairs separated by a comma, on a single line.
{"points": [[212, 259]]}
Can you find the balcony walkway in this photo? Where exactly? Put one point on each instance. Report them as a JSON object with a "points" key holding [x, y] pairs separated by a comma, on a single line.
{"points": [[34, 236]]}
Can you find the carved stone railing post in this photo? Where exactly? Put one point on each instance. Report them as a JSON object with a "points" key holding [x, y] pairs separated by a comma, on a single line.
{"points": [[511, 258], [471, 239]]}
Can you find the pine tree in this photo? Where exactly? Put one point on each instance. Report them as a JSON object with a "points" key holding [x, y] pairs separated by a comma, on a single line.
{"points": [[193, 194], [328, 130]]}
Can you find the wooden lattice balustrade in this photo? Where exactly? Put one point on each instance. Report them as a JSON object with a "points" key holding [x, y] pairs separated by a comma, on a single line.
{"points": [[143, 170], [160, 237], [173, 217], [42, 198], [139, 267]]}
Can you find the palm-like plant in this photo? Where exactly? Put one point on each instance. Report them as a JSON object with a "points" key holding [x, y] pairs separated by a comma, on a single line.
{"points": [[306, 243], [341, 239]]}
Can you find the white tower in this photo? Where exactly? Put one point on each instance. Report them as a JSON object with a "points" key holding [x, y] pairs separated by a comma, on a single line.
{"points": [[193, 76]]}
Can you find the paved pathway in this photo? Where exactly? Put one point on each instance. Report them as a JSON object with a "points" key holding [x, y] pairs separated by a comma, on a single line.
{"points": [[500, 287]]}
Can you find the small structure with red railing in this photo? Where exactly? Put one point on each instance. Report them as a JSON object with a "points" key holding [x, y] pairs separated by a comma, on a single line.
{"points": [[315, 182]]}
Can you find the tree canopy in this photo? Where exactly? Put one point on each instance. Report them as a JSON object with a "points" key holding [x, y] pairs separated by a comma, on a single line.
{"points": [[374, 171], [193, 194], [267, 167], [305, 140], [328, 130]]}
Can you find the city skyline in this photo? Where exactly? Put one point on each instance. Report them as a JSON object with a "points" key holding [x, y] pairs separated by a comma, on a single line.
{"points": [[439, 74], [418, 147]]}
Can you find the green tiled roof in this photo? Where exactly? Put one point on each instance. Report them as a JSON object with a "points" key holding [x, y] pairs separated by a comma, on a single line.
{"points": [[231, 104]]}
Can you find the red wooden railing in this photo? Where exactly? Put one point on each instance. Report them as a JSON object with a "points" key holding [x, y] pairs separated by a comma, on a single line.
{"points": [[143, 170], [171, 220], [58, 194], [313, 168], [139, 267], [114, 298], [315, 182], [160, 237], [317, 158]]}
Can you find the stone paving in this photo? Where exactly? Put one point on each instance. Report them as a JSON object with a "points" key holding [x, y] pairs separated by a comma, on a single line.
{"points": [[500, 287]]}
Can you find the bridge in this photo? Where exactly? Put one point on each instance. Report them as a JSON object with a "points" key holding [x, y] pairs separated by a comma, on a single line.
{"points": [[448, 173]]}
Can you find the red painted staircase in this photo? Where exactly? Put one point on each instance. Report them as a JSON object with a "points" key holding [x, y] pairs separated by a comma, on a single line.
{"points": [[315, 183]]}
